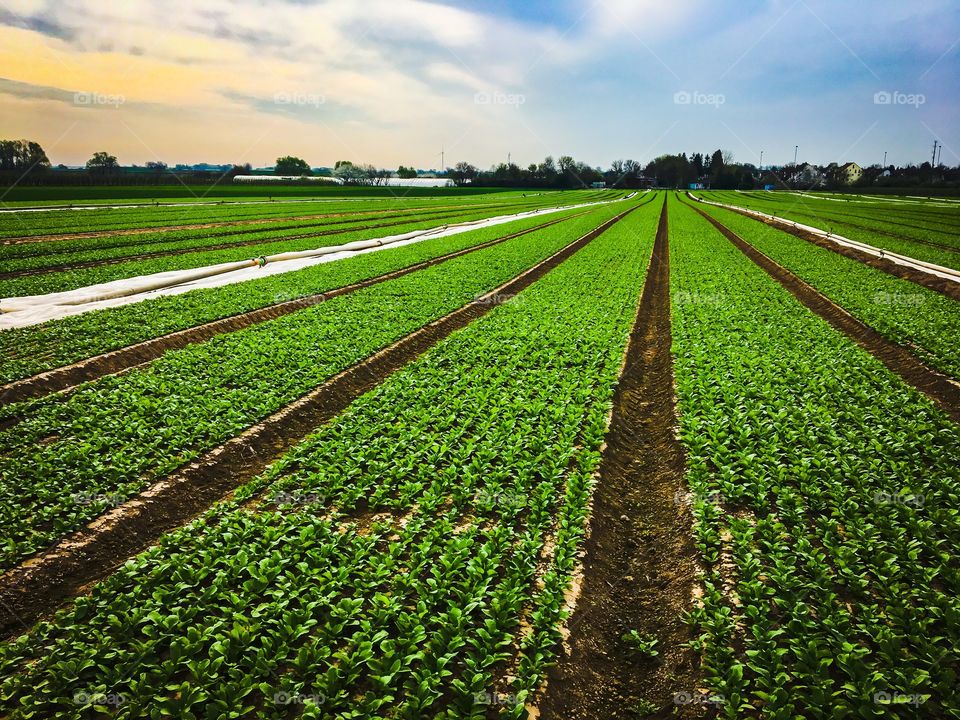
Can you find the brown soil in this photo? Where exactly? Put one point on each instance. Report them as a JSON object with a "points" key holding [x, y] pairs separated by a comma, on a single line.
{"points": [[117, 361], [39, 585], [640, 568], [939, 388], [225, 246], [946, 287]]}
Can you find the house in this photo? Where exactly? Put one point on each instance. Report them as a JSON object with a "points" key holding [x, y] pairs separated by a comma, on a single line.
{"points": [[848, 173], [807, 176]]}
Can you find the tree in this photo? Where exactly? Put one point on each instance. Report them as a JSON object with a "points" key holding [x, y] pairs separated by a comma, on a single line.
{"points": [[156, 166], [696, 165], [406, 172], [290, 165], [244, 169], [462, 172], [22, 155], [348, 173], [102, 162], [716, 163]]}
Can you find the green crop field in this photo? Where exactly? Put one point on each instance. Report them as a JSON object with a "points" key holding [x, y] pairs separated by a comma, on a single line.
{"points": [[578, 439]]}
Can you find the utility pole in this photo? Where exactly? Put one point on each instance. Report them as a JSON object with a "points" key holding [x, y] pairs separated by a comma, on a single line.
{"points": [[508, 161], [884, 159], [443, 163], [795, 149], [939, 153], [761, 160], [933, 158]]}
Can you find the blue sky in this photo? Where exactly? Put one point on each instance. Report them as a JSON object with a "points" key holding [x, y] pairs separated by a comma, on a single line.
{"points": [[394, 81]]}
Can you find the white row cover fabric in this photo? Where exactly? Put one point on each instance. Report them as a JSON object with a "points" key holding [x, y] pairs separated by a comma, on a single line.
{"points": [[35, 309]]}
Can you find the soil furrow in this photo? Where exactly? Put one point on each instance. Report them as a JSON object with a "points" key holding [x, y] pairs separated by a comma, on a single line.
{"points": [[123, 359], [639, 567], [946, 287], [40, 584], [939, 388]]}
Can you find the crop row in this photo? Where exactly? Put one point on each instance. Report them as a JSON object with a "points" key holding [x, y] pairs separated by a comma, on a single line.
{"points": [[55, 222], [21, 255], [388, 566], [273, 242], [27, 224], [906, 313], [825, 501], [69, 458], [910, 242], [900, 217], [32, 350]]}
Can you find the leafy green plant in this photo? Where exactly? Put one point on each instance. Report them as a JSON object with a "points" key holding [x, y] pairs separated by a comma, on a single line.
{"points": [[640, 646]]}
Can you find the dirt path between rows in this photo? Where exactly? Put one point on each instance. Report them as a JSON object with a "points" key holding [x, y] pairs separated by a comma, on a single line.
{"points": [[939, 388], [946, 287], [133, 356], [639, 569], [36, 587]]}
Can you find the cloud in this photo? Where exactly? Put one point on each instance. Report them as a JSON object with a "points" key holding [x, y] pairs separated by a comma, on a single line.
{"points": [[399, 77], [30, 91], [36, 22]]}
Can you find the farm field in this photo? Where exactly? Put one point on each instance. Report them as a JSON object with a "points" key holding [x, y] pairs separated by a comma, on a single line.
{"points": [[924, 230], [629, 455]]}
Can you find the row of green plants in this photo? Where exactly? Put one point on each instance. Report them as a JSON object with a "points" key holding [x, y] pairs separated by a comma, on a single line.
{"points": [[25, 224], [888, 234], [936, 215], [408, 560], [825, 499], [31, 350], [112, 437], [911, 315], [26, 254], [273, 242], [917, 221]]}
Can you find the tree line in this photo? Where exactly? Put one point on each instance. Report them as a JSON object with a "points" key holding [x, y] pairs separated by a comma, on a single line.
{"points": [[25, 161]]}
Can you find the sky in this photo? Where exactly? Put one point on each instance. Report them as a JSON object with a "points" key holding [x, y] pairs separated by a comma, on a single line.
{"points": [[391, 82]]}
